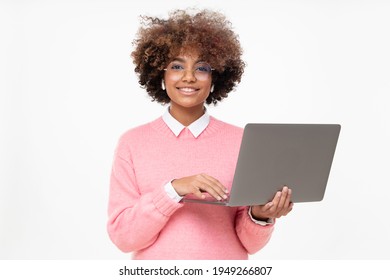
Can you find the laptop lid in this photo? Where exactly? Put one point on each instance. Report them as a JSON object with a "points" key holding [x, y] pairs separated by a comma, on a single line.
{"points": [[273, 155]]}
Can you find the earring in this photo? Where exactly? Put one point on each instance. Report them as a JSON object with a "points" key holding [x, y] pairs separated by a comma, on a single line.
{"points": [[162, 84], [212, 88]]}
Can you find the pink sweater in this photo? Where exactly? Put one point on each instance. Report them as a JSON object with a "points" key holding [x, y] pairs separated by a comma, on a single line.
{"points": [[144, 220]]}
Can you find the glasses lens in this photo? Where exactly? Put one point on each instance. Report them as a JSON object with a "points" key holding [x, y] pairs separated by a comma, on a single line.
{"points": [[201, 71]]}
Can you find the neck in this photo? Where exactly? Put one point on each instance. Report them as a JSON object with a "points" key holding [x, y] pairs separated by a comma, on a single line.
{"points": [[186, 116]]}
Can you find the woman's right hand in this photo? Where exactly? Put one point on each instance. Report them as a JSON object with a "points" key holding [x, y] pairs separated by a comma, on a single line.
{"points": [[198, 184]]}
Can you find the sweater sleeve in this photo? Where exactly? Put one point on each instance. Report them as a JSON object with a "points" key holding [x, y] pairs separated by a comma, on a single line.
{"points": [[134, 219], [252, 236]]}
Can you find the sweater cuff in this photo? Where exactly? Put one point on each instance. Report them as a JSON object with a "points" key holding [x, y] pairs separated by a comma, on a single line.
{"points": [[255, 227], [171, 192], [270, 221], [164, 203]]}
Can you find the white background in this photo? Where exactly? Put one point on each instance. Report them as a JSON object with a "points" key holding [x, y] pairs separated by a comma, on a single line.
{"points": [[68, 91]]}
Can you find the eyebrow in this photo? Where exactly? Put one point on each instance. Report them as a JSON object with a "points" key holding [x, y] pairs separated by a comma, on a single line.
{"points": [[179, 59]]}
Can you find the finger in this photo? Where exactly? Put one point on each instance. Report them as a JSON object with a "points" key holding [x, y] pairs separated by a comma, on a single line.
{"points": [[214, 189], [266, 208], [205, 187], [290, 208], [287, 204], [196, 191], [288, 199], [282, 199], [275, 202], [215, 182], [287, 210]]}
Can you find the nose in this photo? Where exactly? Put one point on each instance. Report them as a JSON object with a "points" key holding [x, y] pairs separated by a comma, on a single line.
{"points": [[188, 75]]}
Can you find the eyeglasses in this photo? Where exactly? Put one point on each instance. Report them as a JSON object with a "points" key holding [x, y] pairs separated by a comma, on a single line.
{"points": [[202, 71]]}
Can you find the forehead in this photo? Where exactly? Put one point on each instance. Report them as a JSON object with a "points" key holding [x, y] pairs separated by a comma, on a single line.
{"points": [[188, 57]]}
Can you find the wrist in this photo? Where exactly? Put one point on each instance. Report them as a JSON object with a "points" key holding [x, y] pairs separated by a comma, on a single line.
{"points": [[176, 185], [257, 216]]}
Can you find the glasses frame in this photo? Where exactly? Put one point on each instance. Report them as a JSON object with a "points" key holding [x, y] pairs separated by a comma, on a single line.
{"points": [[193, 70]]}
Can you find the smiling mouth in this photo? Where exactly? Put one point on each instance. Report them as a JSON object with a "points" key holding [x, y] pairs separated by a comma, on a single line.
{"points": [[188, 90]]}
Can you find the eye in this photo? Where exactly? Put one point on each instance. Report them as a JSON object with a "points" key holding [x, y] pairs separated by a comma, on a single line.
{"points": [[176, 67], [204, 68]]}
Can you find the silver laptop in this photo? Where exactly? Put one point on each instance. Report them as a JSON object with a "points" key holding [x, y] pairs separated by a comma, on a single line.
{"points": [[273, 155]]}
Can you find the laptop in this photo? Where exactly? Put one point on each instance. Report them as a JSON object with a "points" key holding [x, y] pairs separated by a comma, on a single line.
{"points": [[271, 156]]}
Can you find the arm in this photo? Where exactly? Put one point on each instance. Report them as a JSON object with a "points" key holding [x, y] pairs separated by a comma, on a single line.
{"points": [[135, 220], [253, 236]]}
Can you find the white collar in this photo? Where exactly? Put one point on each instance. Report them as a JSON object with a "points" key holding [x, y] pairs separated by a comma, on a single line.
{"points": [[196, 128]]}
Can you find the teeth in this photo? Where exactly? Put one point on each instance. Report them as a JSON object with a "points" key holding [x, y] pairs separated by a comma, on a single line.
{"points": [[187, 89]]}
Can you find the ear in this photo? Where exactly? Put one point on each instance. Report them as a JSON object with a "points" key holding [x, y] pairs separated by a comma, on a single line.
{"points": [[162, 84]]}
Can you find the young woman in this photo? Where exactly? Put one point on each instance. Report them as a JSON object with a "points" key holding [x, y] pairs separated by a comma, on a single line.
{"points": [[186, 61]]}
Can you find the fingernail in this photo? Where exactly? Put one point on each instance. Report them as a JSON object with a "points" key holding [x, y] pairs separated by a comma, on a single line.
{"points": [[224, 196], [219, 198], [226, 191]]}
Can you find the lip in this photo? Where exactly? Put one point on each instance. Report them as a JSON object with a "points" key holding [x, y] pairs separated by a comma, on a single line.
{"points": [[188, 91]]}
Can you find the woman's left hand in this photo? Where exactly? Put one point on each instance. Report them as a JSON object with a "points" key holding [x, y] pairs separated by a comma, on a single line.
{"points": [[280, 206]]}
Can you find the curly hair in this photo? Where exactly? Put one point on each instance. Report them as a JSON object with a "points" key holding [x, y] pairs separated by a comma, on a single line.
{"points": [[209, 33]]}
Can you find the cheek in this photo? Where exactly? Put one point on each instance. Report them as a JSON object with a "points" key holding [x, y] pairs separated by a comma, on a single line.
{"points": [[168, 82]]}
